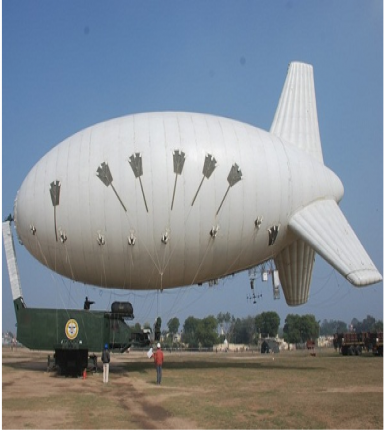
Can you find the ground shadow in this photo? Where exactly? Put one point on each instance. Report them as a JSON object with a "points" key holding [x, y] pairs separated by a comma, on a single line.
{"points": [[169, 364], [185, 364]]}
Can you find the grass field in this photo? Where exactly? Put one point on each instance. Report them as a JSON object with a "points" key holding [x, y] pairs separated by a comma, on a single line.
{"points": [[289, 390]]}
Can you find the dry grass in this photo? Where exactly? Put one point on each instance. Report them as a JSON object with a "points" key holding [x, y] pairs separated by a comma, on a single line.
{"points": [[199, 391]]}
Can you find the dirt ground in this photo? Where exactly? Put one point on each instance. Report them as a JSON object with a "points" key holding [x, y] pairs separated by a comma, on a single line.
{"points": [[200, 391], [25, 379]]}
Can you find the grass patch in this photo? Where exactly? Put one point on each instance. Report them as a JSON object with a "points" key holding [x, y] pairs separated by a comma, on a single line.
{"points": [[206, 391]]}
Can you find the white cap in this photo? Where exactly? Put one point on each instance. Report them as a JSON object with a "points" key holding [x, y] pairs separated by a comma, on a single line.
{"points": [[158, 345]]}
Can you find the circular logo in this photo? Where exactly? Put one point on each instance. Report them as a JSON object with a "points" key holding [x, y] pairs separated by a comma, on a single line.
{"points": [[71, 329]]}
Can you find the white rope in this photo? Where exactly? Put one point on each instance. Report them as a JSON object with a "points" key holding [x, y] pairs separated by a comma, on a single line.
{"points": [[53, 278]]}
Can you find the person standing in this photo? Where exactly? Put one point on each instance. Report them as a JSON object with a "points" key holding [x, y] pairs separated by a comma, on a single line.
{"points": [[106, 359], [159, 359], [88, 303]]}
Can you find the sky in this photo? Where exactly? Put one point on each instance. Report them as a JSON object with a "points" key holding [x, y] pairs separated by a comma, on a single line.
{"points": [[67, 65]]}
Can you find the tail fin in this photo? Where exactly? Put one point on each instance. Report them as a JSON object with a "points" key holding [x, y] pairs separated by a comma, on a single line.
{"points": [[296, 122], [295, 264], [320, 227], [296, 115], [323, 226]]}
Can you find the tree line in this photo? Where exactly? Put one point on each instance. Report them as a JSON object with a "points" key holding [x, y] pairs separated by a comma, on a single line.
{"points": [[211, 330]]}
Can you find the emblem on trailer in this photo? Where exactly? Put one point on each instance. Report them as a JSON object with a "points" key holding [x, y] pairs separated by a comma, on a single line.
{"points": [[71, 329]]}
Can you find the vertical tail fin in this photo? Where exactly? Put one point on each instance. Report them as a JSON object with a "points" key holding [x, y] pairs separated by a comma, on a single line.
{"points": [[296, 115], [296, 122], [295, 265]]}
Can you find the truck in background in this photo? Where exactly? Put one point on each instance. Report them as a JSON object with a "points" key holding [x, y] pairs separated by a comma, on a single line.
{"points": [[354, 343]]}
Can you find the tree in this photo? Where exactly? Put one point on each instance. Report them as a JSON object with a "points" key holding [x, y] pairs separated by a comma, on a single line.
{"points": [[298, 329], [310, 327], [249, 326], [378, 326], [332, 327], [267, 323], [237, 331], [207, 331], [200, 332], [355, 323], [369, 324], [173, 326], [190, 331], [292, 332], [225, 321], [136, 327], [243, 330]]}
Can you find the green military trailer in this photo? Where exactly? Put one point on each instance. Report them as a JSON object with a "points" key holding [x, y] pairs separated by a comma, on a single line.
{"points": [[72, 334]]}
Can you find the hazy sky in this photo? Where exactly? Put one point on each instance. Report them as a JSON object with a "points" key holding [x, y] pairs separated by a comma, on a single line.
{"points": [[70, 64]]}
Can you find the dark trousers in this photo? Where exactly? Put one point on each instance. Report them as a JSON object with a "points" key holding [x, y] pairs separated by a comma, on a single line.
{"points": [[159, 370]]}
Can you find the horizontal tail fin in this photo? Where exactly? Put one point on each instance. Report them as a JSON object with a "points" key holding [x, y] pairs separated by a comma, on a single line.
{"points": [[323, 226]]}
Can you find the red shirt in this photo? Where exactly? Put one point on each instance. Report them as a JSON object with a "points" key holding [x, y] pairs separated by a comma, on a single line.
{"points": [[158, 357]]}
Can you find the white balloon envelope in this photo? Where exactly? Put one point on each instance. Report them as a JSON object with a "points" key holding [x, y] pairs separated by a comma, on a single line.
{"points": [[169, 199]]}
